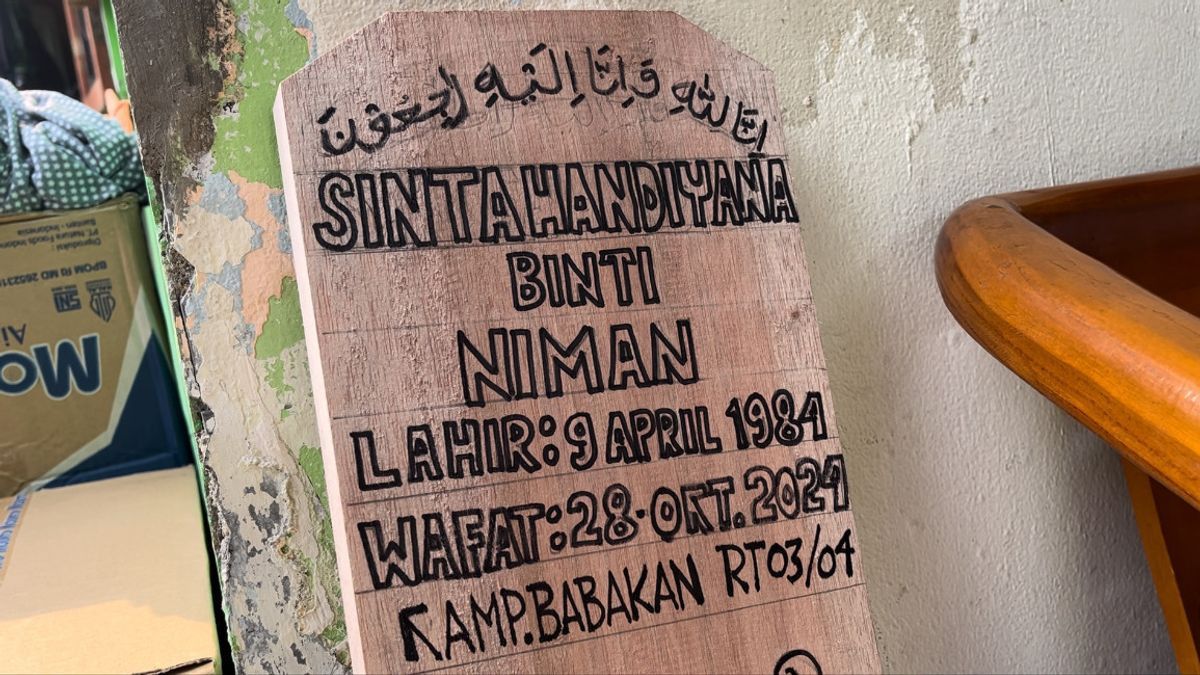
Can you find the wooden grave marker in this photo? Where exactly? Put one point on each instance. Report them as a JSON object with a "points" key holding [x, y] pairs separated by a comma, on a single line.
{"points": [[572, 400]]}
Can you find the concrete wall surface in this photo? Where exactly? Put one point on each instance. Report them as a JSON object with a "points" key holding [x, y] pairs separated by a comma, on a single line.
{"points": [[996, 530]]}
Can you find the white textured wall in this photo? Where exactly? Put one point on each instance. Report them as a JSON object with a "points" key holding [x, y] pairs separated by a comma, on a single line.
{"points": [[996, 530]]}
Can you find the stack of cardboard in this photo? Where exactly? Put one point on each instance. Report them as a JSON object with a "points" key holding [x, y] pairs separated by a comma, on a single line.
{"points": [[104, 564], [110, 576], [85, 387]]}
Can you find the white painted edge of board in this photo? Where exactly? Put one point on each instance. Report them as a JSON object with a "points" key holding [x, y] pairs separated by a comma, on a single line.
{"points": [[320, 402]]}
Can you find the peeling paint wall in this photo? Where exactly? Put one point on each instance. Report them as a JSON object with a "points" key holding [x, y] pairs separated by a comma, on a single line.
{"points": [[203, 77], [997, 530]]}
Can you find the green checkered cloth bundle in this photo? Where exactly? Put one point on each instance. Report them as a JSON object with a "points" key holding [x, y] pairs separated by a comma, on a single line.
{"points": [[61, 154]]}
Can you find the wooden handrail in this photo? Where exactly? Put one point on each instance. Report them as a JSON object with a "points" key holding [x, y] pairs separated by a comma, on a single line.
{"points": [[1120, 359], [1090, 293]]}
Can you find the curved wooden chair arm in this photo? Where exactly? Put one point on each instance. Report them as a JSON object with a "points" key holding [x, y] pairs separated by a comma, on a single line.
{"points": [[1090, 293], [1117, 357]]}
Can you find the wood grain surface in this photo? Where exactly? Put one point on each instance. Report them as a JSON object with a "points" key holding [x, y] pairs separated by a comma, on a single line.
{"points": [[1089, 293], [1039, 278], [571, 394]]}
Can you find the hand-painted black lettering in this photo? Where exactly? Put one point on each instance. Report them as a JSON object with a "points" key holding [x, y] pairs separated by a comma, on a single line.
{"points": [[366, 464], [342, 233], [419, 207]]}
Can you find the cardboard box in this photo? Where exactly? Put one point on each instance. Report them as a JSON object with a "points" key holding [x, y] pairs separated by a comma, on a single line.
{"points": [[85, 387], [110, 577]]}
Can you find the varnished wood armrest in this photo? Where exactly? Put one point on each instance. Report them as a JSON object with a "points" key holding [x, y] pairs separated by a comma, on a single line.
{"points": [[1117, 357]]}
